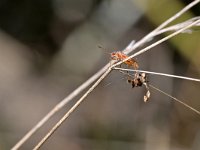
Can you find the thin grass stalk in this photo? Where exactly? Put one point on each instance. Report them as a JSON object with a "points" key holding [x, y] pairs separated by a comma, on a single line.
{"points": [[177, 100], [158, 42], [58, 124], [160, 74]]}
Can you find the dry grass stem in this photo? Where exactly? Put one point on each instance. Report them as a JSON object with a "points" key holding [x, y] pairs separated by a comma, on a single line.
{"points": [[71, 110], [160, 74], [158, 42], [60, 105], [159, 90], [179, 26], [177, 100], [152, 34]]}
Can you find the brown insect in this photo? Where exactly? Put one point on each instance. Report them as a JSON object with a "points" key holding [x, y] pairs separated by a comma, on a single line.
{"points": [[118, 55], [138, 80]]}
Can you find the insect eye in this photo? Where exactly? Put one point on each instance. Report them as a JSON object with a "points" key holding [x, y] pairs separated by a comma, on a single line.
{"points": [[113, 56]]}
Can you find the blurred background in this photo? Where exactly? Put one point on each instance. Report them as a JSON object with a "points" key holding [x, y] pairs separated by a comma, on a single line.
{"points": [[49, 47]]}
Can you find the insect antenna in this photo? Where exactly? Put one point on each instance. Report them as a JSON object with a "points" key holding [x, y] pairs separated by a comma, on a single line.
{"points": [[177, 100], [104, 49]]}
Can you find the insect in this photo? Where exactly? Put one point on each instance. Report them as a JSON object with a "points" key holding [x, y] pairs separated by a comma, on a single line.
{"points": [[138, 80], [118, 55]]}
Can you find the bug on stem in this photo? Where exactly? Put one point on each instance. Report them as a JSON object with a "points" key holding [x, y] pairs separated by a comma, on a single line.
{"points": [[118, 55]]}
